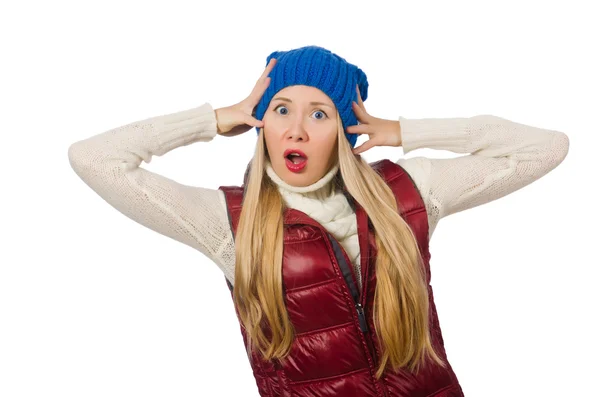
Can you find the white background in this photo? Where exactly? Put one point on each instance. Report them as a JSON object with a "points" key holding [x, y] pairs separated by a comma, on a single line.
{"points": [[93, 304]]}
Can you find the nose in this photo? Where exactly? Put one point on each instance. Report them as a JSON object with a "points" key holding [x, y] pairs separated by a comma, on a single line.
{"points": [[296, 132]]}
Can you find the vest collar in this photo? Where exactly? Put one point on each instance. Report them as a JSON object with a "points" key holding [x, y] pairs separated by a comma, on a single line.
{"points": [[292, 216]]}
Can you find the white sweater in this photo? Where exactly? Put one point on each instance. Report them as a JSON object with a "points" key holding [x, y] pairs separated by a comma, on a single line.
{"points": [[504, 156]]}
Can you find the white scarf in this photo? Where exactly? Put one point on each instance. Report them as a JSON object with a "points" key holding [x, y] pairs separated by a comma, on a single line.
{"points": [[327, 206]]}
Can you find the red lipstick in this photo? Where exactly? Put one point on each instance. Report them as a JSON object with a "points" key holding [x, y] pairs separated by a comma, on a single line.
{"points": [[295, 159]]}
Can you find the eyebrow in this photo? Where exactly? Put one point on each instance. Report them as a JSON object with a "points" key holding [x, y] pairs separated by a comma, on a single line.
{"points": [[312, 103]]}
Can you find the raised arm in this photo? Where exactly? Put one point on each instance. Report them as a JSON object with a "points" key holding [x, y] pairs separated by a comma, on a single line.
{"points": [[109, 163], [504, 156]]}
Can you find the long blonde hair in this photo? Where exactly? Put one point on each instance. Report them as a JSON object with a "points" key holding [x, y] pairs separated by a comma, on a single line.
{"points": [[401, 304]]}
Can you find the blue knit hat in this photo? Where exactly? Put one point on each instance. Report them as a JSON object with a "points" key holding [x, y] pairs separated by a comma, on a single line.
{"points": [[317, 67]]}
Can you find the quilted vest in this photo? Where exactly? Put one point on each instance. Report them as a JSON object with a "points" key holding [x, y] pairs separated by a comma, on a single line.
{"points": [[335, 351]]}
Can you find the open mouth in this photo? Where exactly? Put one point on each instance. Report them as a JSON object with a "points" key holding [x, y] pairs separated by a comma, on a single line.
{"points": [[295, 160]]}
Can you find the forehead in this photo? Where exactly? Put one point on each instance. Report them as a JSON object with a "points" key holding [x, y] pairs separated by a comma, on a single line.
{"points": [[304, 94]]}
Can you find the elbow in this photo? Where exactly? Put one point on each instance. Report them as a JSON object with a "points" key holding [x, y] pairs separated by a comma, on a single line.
{"points": [[560, 146], [75, 153], [563, 144], [80, 158], [557, 150], [97, 166]]}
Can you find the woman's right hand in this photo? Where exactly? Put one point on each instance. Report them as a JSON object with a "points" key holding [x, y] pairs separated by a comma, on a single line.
{"points": [[237, 119]]}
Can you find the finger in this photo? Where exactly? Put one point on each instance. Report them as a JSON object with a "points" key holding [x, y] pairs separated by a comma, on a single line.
{"points": [[258, 91], [365, 146], [268, 68], [360, 129], [360, 101], [253, 122], [265, 72], [361, 114], [262, 83]]}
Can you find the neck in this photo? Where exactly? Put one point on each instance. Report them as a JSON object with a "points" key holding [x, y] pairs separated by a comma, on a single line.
{"points": [[321, 189]]}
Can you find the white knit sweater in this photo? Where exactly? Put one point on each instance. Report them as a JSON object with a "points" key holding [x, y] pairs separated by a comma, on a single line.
{"points": [[326, 205], [504, 156]]}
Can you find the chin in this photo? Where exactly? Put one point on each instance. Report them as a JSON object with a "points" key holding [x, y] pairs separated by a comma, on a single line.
{"points": [[303, 178], [297, 179]]}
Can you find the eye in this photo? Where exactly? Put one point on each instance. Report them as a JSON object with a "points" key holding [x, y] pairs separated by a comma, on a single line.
{"points": [[324, 115], [277, 107]]}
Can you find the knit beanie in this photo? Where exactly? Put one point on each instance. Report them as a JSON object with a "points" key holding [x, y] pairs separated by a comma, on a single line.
{"points": [[317, 67]]}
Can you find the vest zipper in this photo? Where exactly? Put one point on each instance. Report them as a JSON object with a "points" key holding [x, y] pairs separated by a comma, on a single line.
{"points": [[361, 318], [346, 272]]}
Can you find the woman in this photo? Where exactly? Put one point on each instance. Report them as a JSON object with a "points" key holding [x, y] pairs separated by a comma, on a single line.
{"points": [[326, 256]]}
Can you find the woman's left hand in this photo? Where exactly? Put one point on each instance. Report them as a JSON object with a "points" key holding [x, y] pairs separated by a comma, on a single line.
{"points": [[381, 132]]}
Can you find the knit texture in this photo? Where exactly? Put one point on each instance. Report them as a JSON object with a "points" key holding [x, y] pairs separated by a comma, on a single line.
{"points": [[318, 67], [328, 206], [504, 156]]}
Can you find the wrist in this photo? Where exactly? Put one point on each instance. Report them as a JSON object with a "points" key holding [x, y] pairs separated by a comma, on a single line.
{"points": [[219, 132], [396, 131]]}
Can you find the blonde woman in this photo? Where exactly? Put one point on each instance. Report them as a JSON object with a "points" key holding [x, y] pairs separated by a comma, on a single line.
{"points": [[326, 256]]}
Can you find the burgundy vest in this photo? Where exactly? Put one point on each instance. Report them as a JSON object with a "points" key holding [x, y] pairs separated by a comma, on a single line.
{"points": [[335, 352]]}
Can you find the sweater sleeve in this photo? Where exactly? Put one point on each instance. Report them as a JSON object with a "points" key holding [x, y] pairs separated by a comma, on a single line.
{"points": [[109, 163], [503, 156]]}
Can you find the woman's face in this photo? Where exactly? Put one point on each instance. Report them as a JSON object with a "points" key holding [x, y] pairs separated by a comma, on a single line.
{"points": [[301, 118]]}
